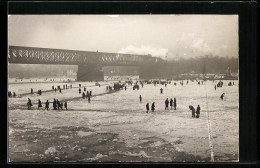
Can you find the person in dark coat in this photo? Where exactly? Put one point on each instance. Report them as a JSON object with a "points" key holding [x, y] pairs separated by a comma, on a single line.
{"points": [[198, 112], [47, 105], [31, 91], [147, 107], [66, 105], [79, 91], [161, 90], [9, 94], [29, 103], [222, 96], [54, 104], [153, 107], [192, 111], [89, 98], [171, 101], [58, 103], [60, 90], [83, 95], [125, 87], [14, 95], [55, 90], [61, 105], [174, 104], [39, 104], [140, 97], [215, 87], [167, 104], [90, 93], [84, 88]]}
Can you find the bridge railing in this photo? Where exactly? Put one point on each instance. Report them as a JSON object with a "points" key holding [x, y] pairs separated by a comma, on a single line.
{"points": [[33, 55]]}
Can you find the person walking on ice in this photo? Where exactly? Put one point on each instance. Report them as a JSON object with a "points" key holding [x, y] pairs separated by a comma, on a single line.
{"points": [[174, 104], [192, 111], [171, 101], [198, 112], [167, 104], [66, 106], [147, 107], [222, 96], [39, 104], [29, 103], [153, 107], [47, 105]]}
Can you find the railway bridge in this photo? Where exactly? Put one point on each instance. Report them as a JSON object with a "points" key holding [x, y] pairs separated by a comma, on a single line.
{"points": [[89, 63]]}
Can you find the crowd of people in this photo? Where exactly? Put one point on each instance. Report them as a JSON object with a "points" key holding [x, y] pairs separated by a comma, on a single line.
{"points": [[59, 105]]}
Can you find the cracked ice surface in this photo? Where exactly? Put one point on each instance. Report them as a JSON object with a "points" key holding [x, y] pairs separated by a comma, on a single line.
{"points": [[121, 114]]}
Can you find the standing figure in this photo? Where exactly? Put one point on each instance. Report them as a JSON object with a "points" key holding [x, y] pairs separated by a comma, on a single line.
{"points": [[83, 95], [60, 90], [31, 91], [167, 104], [125, 87], [54, 104], [153, 107], [198, 112], [14, 95], [79, 91], [55, 90], [61, 105], [140, 97], [89, 98], [215, 87], [161, 90], [222, 96], [192, 111], [171, 101], [147, 107], [66, 106], [39, 104], [29, 103], [47, 105], [174, 104], [58, 104], [90, 93], [84, 88], [9, 94]]}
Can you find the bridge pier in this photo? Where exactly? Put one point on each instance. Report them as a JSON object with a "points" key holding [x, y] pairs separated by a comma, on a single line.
{"points": [[90, 73], [151, 72]]}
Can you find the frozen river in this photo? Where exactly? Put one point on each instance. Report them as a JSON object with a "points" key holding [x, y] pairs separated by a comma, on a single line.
{"points": [[115, 127]]}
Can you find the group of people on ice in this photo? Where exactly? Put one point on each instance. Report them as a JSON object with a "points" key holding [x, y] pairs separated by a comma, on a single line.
{"points": [[172, 103], [57, 105], [193, 111]]}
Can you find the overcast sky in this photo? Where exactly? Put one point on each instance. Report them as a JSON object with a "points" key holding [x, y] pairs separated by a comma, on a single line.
{"points": [[179, 36]]}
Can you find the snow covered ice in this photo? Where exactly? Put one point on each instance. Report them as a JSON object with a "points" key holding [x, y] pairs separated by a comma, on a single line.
{"points": [[116, 127]]}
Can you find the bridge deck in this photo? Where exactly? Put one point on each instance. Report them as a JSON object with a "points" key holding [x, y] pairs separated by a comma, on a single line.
{"points": [[34, 55]]}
